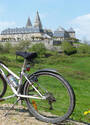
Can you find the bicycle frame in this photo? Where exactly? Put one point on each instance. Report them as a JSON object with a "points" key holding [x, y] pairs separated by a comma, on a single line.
{"points": [[16, 93]]}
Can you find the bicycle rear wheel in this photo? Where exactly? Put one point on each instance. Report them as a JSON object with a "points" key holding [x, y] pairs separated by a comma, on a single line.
{"points": [[3, 86], [60, 100]]}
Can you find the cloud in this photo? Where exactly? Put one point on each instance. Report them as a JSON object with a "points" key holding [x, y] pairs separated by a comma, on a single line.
{"points": [[81, 25], [4, 25]]}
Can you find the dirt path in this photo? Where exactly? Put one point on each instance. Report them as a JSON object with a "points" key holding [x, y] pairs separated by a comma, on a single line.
{"points": [[20, 116]]}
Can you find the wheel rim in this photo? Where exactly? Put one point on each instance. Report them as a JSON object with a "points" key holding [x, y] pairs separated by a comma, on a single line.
{"points": [[1, 86]]}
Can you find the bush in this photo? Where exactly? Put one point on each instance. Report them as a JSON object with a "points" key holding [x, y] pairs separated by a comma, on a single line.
{"points": [[68, 48], [5, 59], [7, 47], [1, 47], [39, 48], [84, 49], [21, 46]]}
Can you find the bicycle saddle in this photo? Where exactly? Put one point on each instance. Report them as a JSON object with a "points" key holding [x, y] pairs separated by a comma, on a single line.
{"points": [[27, 55]]}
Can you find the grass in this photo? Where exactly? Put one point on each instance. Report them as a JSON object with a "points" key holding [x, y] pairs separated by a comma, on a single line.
{"points": [[74, 68]]}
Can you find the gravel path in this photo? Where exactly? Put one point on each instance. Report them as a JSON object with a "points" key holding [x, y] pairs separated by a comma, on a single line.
{"points": [[20, 116]]}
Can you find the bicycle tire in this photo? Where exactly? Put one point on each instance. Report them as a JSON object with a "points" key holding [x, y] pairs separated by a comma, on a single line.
{"points": [[3, 86], [43, 117]]}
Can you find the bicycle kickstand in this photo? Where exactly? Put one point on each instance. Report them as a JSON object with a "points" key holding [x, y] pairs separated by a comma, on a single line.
{"points": [[12, 107]]}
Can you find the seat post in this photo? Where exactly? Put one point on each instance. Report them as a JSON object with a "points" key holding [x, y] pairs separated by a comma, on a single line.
{"points": [[21, 76], [22, 71], [24, 65]]}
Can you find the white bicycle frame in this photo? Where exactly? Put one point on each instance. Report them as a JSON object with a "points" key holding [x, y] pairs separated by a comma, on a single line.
{"points": [[19, 82]]}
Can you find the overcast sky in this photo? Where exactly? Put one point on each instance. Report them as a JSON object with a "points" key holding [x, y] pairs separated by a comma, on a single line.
{"points": [[53, 13]]}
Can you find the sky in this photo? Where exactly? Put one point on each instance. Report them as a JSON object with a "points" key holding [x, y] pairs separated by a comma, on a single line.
{"points": [[53, 13]]}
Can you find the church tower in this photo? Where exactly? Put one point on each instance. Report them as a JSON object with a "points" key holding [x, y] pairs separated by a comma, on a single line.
{"points": [[28, 25], [37, 22]]}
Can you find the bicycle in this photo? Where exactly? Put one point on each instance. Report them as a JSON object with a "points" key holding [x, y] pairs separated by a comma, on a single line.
{"points": [[49, 97]]}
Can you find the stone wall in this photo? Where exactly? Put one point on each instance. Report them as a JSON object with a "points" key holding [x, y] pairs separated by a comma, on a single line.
{"points": [[48, 44]]}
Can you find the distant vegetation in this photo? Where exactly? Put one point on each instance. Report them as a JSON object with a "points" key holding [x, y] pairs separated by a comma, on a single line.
{"points": [[67, 48], [39, 48], [9, 48], [83, 49], [69, 63]]}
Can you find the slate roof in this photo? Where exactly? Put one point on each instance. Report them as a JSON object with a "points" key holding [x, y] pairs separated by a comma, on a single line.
{"points": [[23, 30], [37, 22], [58, 34], [71, 30], [61, 29], [29, 24], [37, 28]]}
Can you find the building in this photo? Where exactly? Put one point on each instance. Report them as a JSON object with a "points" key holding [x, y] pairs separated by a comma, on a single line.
{"points": [[35, 32], [61, 34], [71, 33]]}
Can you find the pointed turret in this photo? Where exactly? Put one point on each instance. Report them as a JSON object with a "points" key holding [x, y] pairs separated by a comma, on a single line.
{"points": [[61, 29], [37, 22], [28, 25], [71, 30]]}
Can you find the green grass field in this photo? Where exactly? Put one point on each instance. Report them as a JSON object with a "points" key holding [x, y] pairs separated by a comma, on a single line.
{"points": [[75, 69]]}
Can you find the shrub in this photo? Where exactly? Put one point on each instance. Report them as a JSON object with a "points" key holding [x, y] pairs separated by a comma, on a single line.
{"points": [[21, 46], [84, 49], [1, 47], [68, 48], [7, 47], [39, 48], [5, 59]]}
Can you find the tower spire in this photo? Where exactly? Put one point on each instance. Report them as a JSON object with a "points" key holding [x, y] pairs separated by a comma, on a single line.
{"points": [[28, 25], [37, 22]]}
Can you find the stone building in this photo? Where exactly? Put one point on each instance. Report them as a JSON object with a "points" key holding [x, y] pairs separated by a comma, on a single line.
{"points": [[28, 32], [35, 32], [61, 34], [71, 33]]}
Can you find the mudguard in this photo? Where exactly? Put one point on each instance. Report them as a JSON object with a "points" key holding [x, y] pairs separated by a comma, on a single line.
{"points": [[46, 70]]}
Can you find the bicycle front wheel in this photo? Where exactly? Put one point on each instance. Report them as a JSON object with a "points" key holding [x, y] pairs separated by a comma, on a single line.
{"points": [[60, 98]]}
